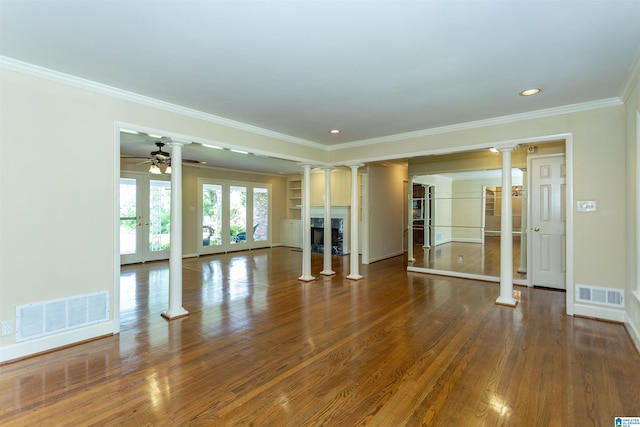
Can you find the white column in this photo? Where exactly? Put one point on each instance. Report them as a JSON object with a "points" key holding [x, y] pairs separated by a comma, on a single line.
{"points": [[175, 250], [306, 225], [354, 273], [425, 218], [410, 256], [327, 271], [506, 234], [522, 269], [364, 239]]}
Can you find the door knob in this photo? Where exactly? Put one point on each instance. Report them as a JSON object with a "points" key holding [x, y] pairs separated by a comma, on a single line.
{"points": [[536, 229]]}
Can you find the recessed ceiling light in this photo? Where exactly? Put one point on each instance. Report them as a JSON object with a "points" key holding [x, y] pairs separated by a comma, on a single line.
{"points": [[238, 151], [151, 135], [530, 92], [494, 150], [334, 131], [133, 132]]}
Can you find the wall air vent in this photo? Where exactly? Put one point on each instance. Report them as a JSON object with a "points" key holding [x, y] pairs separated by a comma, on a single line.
{"points": [[601, 296], [50, 317]]}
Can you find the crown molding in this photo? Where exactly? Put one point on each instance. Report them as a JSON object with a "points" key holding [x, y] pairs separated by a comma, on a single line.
{"points": [[572, 108], [632, 78], [56, 76], [45, 73]]}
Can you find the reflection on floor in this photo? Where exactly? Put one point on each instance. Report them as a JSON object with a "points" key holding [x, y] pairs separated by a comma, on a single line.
{"points": [[469, 258]]}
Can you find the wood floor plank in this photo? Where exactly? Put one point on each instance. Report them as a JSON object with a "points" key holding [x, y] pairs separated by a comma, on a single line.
{"points": [[261, 348]]}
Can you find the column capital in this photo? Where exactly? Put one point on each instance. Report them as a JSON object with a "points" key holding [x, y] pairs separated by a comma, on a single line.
{"points": [[505, 148], [354, 165], [175, 142]]}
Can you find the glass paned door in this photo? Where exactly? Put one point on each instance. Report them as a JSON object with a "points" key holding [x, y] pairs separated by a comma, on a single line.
{"points": [[145, 207], [211, 215], [159, 218], [238, 214], [260, 214], [130, 221]]}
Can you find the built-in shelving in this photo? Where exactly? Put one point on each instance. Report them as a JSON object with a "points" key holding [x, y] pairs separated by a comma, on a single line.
{"points": [[294, 197]]}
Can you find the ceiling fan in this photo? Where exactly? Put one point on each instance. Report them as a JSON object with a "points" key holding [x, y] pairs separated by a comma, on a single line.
{"points": [[160, 158]]}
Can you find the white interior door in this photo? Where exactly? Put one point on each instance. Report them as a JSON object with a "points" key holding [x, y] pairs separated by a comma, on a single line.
{"points": [[145, 207], [548, 222]]}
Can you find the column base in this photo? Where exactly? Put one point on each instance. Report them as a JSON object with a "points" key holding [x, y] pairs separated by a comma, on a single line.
{"points": [[509, 302], [354, 277], [172, 316], [412, 259], [327, 273], [306, 278]]}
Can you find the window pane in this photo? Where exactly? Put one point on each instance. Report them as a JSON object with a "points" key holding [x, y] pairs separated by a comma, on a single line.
{"points": [[260, 214], [128, 216], [160, 215], [238, 214], [211, 215]]}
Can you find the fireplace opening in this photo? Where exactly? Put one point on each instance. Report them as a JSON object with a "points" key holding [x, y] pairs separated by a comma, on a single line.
{"points": [[317, 236]]}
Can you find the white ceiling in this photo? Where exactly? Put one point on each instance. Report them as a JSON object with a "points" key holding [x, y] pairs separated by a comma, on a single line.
{"points": [[370, 68]]}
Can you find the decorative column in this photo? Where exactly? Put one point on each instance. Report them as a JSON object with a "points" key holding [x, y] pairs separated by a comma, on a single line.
{"points": [[364, 235], [354, 273], [506, 234], [328, 238], [306, 225], [425, 218], [410, 256], [175, 310], [523, 227]]}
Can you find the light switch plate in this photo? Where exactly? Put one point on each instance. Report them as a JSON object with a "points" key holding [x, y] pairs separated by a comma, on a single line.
{"points": [[587, 206]]}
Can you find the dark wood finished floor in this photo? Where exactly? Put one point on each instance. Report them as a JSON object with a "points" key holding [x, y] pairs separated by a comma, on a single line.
{"points": [[394, 349]]}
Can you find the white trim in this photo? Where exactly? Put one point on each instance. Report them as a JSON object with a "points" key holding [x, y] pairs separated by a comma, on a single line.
{"points": [[549, 112], [471, 276], [54, 341], [634, 333], [569, 278], [383, 257], [629, 81], [115, 300], [637, 205], [459, 240], [460, 148], [604, 313], [56, 76]]}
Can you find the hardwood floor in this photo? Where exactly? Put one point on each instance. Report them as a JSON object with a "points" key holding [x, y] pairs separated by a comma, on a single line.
{"points": [[393, 349], [469, 258]]}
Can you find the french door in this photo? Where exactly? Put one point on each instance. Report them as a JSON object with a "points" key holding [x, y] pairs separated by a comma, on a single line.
{"points": [[145, 207], [234, 215]]}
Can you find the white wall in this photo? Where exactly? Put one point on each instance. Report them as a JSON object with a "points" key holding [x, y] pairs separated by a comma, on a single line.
{"points": [[632, 166], [60, 165], [58, 185], [386, 209]]}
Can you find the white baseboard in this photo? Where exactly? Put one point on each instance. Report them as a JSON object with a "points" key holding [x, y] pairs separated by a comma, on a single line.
{"points": [[634, 333], [387, 256], [458, 240], [604, 313], [50, 342]]}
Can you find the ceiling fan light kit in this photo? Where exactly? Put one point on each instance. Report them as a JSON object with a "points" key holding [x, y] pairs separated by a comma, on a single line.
{"points": [[160, 158]]}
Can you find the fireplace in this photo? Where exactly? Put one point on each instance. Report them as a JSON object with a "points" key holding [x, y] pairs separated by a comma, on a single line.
{"points": [[317, 236], [339, 230]]}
